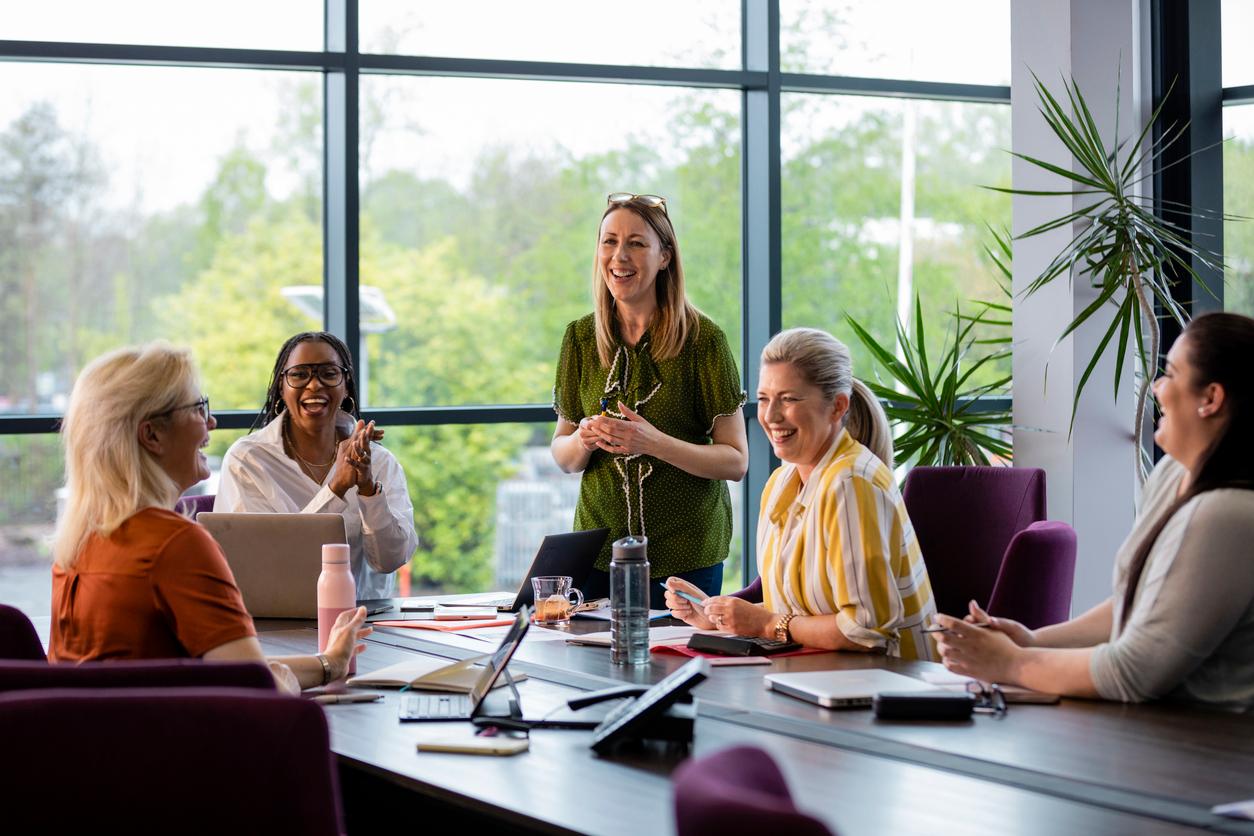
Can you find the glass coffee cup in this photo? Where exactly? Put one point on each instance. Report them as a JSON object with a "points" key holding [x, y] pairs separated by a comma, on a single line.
{"points": [[553, 604]]}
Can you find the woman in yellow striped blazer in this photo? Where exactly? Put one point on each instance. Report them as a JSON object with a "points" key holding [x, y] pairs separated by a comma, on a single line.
{"points": [[840, 566]]}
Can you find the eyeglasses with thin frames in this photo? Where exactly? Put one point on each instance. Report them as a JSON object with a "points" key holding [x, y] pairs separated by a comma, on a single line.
{"points": [[651, 200], [990, 698], [201, 406], [329, 374]]}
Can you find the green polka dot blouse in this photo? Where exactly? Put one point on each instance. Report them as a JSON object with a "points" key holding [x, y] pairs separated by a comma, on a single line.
{"points": [[687, 519]]}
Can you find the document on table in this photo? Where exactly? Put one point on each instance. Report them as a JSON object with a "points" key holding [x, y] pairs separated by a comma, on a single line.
{"points": [[658, 637], [950, 681], [1235, 810], [603, 614], [535, 633]]}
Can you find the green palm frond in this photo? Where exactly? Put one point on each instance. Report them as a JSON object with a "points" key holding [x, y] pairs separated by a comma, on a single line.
{"points": [[940, 412], [1128, 253]]}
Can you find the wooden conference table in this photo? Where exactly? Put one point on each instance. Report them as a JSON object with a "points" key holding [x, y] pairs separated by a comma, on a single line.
{"points": [[1077, 767]]}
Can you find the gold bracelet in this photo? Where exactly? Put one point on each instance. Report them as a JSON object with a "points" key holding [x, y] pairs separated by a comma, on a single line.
{"points": [[782, 633], [326, 667]]}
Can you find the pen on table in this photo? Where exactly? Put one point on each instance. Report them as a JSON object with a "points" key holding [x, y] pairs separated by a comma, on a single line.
{"points": [[687, 596], [335, 699]]}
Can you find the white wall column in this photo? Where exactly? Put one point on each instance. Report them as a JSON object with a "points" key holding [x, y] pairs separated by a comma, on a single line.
{"points": [[1090, 476]]}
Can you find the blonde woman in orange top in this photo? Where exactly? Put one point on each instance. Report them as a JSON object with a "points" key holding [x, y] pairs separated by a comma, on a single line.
{"points": [[131, 578]]}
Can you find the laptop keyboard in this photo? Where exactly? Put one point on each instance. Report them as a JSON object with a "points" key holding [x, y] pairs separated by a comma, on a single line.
{"points": [[435, 706]]}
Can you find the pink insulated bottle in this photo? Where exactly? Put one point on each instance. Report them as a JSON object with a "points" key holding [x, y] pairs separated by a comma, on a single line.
{"points": [[336, 592]]}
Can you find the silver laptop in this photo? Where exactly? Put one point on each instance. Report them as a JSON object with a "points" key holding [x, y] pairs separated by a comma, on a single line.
{"points": [[275, 558], [842, 689]]}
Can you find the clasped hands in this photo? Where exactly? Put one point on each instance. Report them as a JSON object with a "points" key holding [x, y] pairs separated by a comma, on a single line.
{"points": [[627, 436], [352, 461]]}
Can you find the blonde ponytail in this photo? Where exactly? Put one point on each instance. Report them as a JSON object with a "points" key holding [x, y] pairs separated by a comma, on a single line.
{"points": [[868, 424]]}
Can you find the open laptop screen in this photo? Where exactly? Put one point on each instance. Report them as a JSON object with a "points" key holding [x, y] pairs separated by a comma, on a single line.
{"points": [[499, 659]]}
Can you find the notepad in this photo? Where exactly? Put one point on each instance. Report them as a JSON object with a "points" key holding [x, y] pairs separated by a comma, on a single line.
{"points": [[429, 673]]}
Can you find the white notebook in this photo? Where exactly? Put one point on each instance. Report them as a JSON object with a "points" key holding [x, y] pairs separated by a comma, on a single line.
{"points": [[429, 673]]}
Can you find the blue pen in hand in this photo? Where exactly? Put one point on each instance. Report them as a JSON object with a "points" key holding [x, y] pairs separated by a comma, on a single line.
{"points": [[687, 596]]}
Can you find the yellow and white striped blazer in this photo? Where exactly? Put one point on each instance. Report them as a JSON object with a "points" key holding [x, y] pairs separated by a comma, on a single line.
{"points": [[842, 543]]}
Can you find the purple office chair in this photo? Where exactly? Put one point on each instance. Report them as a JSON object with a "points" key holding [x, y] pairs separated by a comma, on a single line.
{"points": [[18, 639], [964, 519], [1036, 577], [199, 760], [751, 593], [737, 791], [193, 504], [148, 673]]}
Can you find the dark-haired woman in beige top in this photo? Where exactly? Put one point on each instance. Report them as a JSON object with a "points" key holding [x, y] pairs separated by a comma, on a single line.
{"points": [[1180, 623]]}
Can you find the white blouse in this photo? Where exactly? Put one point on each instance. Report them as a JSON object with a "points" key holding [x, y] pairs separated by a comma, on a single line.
{"points": [[258, 476]]}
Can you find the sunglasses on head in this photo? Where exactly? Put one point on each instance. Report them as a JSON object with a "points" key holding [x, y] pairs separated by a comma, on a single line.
{"points": [[651, 200]]}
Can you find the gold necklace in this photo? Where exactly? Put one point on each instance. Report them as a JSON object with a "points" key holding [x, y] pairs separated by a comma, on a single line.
{"points": [[307, 465]]}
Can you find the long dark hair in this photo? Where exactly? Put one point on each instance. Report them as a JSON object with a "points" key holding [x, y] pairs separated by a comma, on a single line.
{"points": [[274, 394], [1220, 347]]}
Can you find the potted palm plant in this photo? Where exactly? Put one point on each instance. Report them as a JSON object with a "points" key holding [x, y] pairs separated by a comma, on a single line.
{"points": [[936, 400], [1126, 250]]}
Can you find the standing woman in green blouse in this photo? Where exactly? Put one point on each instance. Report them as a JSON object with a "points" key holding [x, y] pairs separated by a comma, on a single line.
{"points": [[648, 403]]}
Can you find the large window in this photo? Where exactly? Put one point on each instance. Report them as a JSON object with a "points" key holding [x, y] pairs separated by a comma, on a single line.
{"points": [[883, 197], [1238, 130], [964, 41], [1239, 202], [481, 240], [657, 33], [197, 180]]}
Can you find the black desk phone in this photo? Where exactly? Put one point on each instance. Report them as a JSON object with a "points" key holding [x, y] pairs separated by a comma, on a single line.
{"points": [[653, 715]]}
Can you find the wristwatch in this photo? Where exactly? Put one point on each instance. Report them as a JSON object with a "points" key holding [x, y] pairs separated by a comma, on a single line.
{"points": [[782, 633]]}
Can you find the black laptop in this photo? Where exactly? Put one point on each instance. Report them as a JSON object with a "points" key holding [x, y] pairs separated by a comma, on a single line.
{"points": [[562, 554], [570, 554], [467, 706]]}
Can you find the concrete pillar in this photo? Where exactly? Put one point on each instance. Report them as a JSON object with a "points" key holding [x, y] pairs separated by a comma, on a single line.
{"points": [[1090, 475]]}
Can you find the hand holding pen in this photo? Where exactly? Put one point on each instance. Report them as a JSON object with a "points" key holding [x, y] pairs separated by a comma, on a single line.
{"points": [[684, 601], [978, 617]]}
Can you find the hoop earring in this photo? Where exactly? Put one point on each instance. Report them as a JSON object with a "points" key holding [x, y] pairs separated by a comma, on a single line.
{"points": [[278, 408], [349, 409]]}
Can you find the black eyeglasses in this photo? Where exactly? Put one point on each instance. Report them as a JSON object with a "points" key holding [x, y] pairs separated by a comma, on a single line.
{"points": [[329, 374], [201, 406], [990, 699], [651, 200]]}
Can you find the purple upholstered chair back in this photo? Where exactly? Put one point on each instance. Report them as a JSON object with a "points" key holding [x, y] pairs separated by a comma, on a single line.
{"points": [[1036, 577], [737, 791], [964, 519], [172, 673], [751, 593], [194, 504], [18, 639], [200, 760]]}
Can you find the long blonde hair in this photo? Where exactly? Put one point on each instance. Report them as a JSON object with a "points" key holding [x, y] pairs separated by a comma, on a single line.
{"points": [[824, 361], [676, 317], [108, 475]]}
